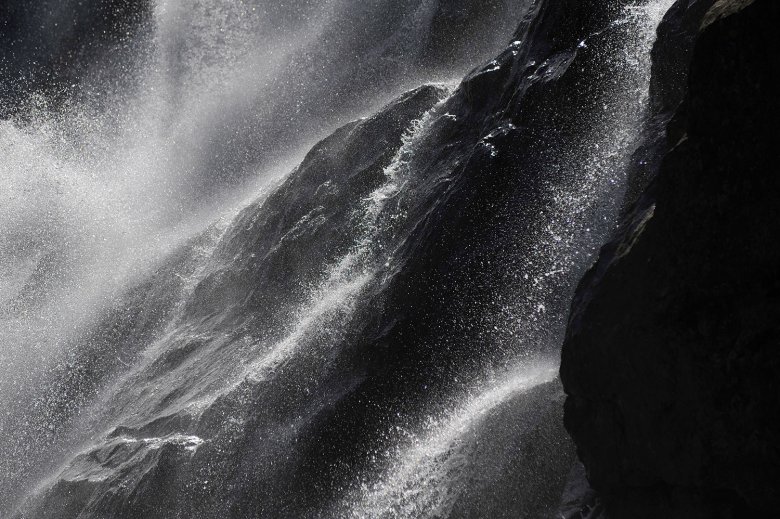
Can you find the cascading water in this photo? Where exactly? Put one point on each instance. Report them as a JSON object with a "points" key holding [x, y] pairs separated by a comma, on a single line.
{"points": [[435, 460], [197, 359], [99, 188]]}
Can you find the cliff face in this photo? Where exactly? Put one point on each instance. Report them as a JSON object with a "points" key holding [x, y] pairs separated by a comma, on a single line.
{"points": [[671, 358]]}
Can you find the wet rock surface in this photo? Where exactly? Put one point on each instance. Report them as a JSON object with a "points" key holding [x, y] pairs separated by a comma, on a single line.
{"points": [[671, 360]]}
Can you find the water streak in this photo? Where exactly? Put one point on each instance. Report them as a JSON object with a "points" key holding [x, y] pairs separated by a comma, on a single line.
{"points": [[426, 475]]}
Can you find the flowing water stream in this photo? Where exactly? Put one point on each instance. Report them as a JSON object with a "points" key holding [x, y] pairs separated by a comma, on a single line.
{"points": [[434, 461]]}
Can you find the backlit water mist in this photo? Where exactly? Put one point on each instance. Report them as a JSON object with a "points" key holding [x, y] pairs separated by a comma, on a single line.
{"points": [[214, 229], [435, 462]]}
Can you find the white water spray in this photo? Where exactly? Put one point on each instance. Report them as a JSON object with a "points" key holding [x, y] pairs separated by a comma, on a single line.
{"points": [[426, 475]]}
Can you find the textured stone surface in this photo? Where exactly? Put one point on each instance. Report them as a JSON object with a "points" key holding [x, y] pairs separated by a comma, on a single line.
{"points": [[671, 360]]}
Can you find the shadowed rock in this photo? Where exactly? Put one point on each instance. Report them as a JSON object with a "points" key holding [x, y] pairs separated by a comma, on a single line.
{"points": [[671, 360]]}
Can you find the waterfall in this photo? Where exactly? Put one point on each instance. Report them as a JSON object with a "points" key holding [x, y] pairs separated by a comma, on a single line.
{"points": [[432, 464], [99, 190], [203, 254]]}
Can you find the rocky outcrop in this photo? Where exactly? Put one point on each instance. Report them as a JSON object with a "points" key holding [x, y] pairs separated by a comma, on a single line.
{"points": [[671, 359]]}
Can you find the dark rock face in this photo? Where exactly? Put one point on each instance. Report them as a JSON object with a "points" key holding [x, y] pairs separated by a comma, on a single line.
{"points": [[671, 360]]}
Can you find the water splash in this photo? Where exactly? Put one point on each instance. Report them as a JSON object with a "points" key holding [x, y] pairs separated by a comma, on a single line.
{"points": [[426, 475], [334, 300], [432, 469], [221, 101], [115, 194]]}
